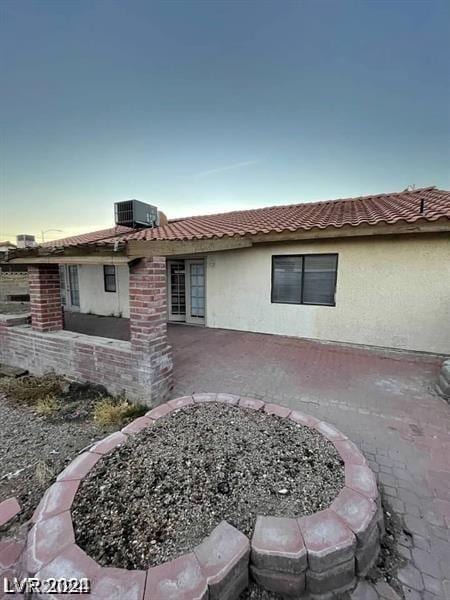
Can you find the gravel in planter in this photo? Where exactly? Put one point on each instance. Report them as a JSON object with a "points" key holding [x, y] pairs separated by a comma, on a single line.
{"points": [[164, 490]]}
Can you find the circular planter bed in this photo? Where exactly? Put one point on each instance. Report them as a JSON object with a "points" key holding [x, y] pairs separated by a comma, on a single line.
{"points": [[184, 502]]}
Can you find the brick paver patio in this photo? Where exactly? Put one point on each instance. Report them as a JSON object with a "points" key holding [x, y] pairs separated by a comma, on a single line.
{"points": [[385, 402]]}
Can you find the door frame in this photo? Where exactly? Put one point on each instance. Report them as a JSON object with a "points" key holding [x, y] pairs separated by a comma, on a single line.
{"points": [[66, 298], [185, 319], [170, 317], [190, 320]]}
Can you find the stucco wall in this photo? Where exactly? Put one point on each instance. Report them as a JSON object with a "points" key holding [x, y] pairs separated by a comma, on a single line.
{"points": [[392, 292], [93, 297]]}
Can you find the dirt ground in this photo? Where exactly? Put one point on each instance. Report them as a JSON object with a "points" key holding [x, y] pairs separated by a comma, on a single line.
{"points": [[35, 448], [164, 490]]}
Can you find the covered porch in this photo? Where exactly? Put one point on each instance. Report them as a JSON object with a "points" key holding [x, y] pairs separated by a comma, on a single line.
{"points": [[96, 297], [130, 356]]}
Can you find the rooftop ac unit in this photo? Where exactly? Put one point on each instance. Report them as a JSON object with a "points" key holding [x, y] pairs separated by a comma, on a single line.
{"points": [[133, 213], [25, 241]]}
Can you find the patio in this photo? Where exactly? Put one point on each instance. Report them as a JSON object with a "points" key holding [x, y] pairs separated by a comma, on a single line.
{"points": [[110, 327], [385, 402]]}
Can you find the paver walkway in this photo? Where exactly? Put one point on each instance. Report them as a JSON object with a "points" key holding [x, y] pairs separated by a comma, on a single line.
{"points": [[386, 403]]}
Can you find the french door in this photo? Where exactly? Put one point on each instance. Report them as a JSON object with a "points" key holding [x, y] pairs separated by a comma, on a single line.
{"points": [[186, 282], [195, 297], [70, 287], [177, 290]]}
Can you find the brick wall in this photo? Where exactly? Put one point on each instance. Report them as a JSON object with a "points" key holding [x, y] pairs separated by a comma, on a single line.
{"points": [[45, 297], [77, 356], [148, 325], [141, 368]]}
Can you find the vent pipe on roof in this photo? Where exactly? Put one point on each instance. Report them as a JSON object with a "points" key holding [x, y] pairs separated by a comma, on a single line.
{"points": [[422, 206]]}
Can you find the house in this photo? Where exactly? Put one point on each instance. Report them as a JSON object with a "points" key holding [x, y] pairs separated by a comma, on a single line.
{"points": [[6, 246], [13, 278], [373, 271]]}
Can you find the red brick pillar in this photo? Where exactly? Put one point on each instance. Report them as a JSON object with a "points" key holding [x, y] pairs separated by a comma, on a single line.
{"points": [[45, 297], [152, 358]]}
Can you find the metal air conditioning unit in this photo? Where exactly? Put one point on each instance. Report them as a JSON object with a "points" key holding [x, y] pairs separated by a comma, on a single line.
{"points": [[136, 214]]}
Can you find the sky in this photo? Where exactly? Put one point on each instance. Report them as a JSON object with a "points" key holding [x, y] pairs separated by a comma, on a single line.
{"points": [[201, 107]]}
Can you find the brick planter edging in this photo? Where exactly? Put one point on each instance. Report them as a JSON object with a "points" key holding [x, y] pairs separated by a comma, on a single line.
{"points": [[9, 508], [443, 384], [319, 554]]}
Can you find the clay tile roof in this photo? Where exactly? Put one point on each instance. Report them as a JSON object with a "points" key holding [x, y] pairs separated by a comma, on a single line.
{"points": [[88, 238], [368, 210]]}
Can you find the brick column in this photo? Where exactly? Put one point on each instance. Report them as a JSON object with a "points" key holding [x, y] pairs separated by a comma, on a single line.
{"points": [[45, 298], [152, 358]]}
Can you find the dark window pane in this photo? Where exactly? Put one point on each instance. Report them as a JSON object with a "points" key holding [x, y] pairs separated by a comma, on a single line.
{"points": [[319, 279], [109, 276], [287, 279]]}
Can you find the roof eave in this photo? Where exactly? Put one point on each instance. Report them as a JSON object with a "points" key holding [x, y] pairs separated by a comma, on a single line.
{"points": [[148, 248], [81, 254], [121, 252], [400, 227]]}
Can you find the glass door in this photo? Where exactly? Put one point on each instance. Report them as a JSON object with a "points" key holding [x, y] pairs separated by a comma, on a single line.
{"points": [[177, 290], [70, 287], [195, 296], [74, 287]]}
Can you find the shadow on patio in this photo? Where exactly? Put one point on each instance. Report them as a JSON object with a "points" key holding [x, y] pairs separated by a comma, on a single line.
{"points": [[110, 327]]}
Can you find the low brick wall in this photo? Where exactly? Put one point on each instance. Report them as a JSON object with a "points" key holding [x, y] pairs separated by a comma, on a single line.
{"points": [[104, 361], [319, 555]]}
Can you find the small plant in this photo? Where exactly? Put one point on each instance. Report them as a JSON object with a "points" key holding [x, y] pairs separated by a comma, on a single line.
{"points": [[47, 406], [44, 473], [29, 390], [115, 411]]}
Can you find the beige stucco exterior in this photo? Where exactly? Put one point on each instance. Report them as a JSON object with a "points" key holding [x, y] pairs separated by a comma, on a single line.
{"points": [[94, 299], [391, 291]]}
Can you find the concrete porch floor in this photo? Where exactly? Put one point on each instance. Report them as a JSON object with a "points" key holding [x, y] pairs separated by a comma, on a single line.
{"points": [[110, 327]]}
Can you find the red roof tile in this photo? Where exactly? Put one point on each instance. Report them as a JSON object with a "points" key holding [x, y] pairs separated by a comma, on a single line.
{"points": [[369, 210], [93, 236]]}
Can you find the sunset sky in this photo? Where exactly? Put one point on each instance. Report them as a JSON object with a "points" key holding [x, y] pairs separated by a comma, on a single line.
{"points": [[202, 107]]}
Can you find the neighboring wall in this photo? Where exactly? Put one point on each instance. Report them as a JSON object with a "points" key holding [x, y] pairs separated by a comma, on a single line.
{"points": [[94, 299], [391, 291], [13, 284]]}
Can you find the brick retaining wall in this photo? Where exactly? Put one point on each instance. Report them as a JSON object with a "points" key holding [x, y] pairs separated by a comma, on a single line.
{"points": [[108, 362]]}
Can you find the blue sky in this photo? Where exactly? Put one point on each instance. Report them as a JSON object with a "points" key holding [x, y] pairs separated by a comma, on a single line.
{"points": [[201, 107]]}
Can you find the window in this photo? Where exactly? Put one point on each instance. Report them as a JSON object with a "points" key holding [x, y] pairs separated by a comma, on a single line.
{"points": [[304, 279], [109, 276]]}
